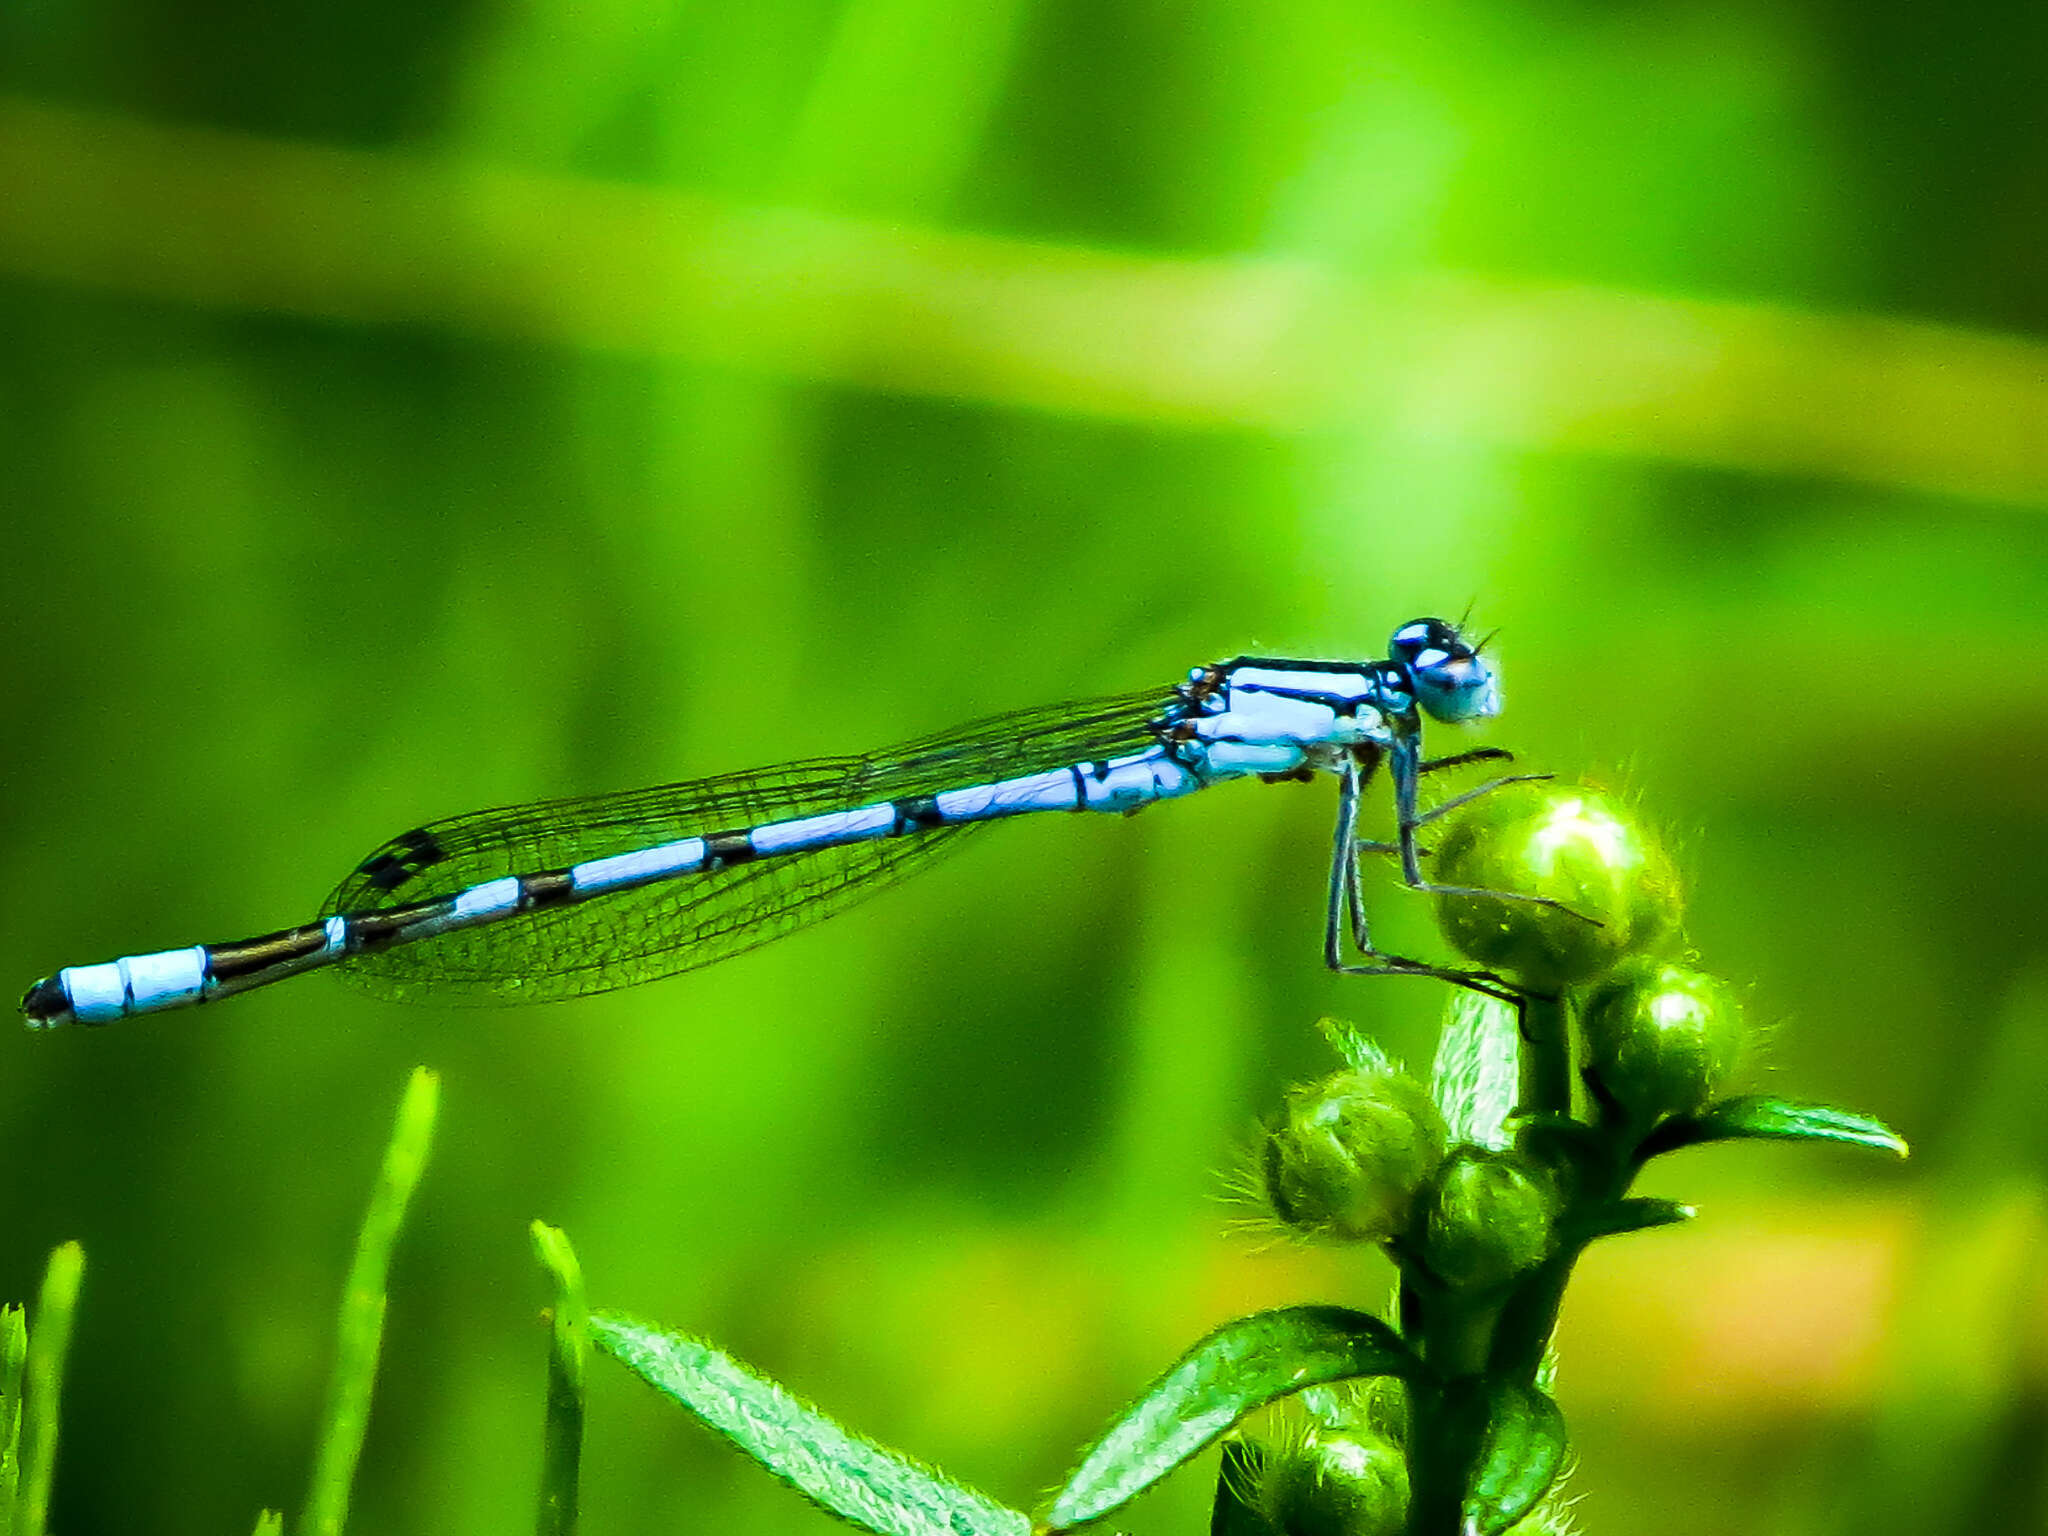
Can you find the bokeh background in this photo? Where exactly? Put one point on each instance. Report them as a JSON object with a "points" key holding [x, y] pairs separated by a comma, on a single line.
{"points": [[406, 409]]}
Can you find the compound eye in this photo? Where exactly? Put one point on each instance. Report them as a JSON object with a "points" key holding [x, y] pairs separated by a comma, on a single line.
{"points": [[1428, 643]]}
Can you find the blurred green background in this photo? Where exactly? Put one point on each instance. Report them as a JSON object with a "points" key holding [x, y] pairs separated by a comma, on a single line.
{"points": [[404, 410]]}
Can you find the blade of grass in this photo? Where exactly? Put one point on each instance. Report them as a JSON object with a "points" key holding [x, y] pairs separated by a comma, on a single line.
{"points": [[44, 1370], [269, 1523], [562, 1442], [360, 1334], [13, 1359]]}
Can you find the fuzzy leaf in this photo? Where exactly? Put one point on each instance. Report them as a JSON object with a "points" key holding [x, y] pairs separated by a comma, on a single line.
{"points": [[1476, 1078], [1241, 1366], [1759, 1117], [1519, 1457], [1359, 1052], [846, 1475], [1619, 1216]]}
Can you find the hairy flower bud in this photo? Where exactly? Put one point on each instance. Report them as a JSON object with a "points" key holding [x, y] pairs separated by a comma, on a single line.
{"points": [[1336, 1483], [1490, 1220], [1351, 1153], [1660, 1038], [1572, 845]]}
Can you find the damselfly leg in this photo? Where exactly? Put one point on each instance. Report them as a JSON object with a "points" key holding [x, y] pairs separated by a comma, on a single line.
{"points": [[1476, 755], [1347, 906], [1406, 767], [1346, 898]]}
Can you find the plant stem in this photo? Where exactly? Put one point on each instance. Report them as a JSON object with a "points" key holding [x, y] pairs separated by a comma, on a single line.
{"points": [[1455, 1335], [1546, 1058], [1443, 1443], [1470, 1340], [1530, 1316]]}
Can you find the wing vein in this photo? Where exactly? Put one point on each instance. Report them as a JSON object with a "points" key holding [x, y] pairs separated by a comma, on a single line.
{"points": [[624, 937]]}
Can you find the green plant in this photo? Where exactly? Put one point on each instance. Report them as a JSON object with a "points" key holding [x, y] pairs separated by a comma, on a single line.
{"points": [[32, 1361], [31, 1387], [360, 1330], [1484, 1189]]}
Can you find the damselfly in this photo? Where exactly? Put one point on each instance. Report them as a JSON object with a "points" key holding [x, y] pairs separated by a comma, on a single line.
{"points": [[569, 897]]}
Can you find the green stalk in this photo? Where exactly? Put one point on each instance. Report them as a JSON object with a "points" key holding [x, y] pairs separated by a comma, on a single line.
{"points": [[44, 1372], [1546, 1056], [1530, 1316], [1468, 1338], [562, 1440], [361, 1331], [1527, 1321], [1443, 1445]]}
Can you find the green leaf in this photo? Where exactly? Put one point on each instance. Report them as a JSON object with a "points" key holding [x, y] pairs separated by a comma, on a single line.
{"points": [[846, 1475], [1519, 1456], [1759, 1117], [1359, 1051], [1619, 1216], [1241, 1366], [1236, 1511]]}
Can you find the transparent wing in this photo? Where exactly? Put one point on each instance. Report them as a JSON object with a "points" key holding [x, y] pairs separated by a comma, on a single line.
{"points": [[629, 936]]}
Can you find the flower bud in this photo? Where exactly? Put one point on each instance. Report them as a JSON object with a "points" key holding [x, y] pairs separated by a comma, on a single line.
{"points": [[1572, 845], [1373, 1406], [1351, 1153], [1489, 1221], [1661, 1039], [1383, 1408], [1336, 1483]]}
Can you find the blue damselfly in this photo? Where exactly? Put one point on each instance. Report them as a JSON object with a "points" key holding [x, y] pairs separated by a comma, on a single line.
{"points": [[569, 897]]}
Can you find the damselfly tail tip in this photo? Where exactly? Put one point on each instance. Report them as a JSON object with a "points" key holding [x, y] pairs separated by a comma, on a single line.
{"points": [[45, 1005]]}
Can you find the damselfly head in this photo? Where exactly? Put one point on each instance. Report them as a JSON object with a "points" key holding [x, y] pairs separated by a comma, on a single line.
{"points": [[1452, 680]]}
